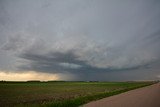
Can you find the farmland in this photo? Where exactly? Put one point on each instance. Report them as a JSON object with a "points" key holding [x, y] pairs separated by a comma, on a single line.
{"points": [[59, 93]]}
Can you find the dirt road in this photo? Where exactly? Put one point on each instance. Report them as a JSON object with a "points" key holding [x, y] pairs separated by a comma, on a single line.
{"points": [[144, 97]]}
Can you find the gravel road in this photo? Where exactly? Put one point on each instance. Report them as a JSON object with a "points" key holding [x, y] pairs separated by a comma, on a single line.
{"points": [[143, 97]]}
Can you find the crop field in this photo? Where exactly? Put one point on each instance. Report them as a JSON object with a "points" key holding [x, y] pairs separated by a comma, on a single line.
{"points": [[60, 94]]}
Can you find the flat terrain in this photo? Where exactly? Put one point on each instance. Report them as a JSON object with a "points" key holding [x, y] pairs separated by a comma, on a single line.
{"points": [[41, 93], [143, 97]]}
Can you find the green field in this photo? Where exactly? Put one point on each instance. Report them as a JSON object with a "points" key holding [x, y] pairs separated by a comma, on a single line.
{"points": [[67, 94]]}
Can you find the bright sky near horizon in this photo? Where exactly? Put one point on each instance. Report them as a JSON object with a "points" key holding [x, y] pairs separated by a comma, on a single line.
{"points": [[105, 40]]}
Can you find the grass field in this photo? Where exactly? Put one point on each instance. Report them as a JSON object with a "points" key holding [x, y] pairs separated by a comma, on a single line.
{"points": [[60, 94]]}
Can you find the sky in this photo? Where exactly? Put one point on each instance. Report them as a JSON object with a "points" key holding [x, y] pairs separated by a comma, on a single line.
{"points": [[79, 40]]}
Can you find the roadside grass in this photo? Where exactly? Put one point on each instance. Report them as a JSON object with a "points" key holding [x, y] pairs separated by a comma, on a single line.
{"points": [[75, 102]]}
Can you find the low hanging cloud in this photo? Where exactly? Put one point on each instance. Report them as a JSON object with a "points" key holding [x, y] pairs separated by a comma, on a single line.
{"points": [[71, 61]]}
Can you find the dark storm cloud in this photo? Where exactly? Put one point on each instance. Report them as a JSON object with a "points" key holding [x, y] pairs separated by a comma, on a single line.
{"points": [[92, 39], [57, 62], [52, 62]]}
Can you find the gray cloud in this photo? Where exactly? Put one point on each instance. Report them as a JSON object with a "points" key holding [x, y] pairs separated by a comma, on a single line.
{"points": [[57, 62], [83, 38], [52, 62]]}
